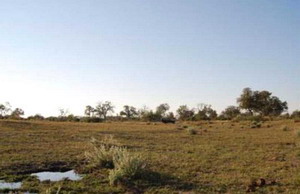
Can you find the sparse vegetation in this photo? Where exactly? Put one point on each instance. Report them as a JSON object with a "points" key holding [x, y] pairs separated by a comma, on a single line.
{"points": [[177, 161], [101, 154], [127, 166], [255, 124], [192, 131], [285, 128]]}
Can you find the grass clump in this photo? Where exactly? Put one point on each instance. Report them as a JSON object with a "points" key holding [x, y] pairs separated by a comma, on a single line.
{"points": [[128, 166], [124, 165], [255, 124], [298, 133], [191, 131], [101, 153], [285, 128]]}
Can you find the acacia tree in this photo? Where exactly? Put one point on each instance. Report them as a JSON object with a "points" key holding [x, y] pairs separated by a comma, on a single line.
{"points": [[2, 110], [205, 112], [185, 113], [102, 109], [5, 109], [63, 112], [129, 112], [162, 109], [89, 111], [261, 102], [17, 113]]}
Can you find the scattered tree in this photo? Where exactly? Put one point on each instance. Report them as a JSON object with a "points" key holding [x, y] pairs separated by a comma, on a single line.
{"points": [[162, 109], [261, 102], [17, 113], [89, 111], [185, 113], [205, 112], [102, 109], [129, 111]]}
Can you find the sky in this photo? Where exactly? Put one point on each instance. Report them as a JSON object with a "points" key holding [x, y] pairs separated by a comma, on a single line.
{"points": [[72, 53]]}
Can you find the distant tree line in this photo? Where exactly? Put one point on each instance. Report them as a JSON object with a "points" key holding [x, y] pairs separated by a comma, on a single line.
{"points": [[249, 104], [6, 112]]}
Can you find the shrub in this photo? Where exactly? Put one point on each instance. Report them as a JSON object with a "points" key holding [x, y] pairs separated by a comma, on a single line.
{"points": [[124, 165], [127, 166], [245, 117], [101, 153], [285, 128], [91, 119], [191, 131], [255, 124]]}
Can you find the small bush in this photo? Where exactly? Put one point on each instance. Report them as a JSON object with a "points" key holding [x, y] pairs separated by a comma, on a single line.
{"points": [[255, 124], [191, 131], [101, 153], [127, 166], [185, 126], [284, 128], [107, 153]]}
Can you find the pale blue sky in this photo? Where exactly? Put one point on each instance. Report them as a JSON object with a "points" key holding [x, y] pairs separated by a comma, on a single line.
{"points": [[70, 53]]}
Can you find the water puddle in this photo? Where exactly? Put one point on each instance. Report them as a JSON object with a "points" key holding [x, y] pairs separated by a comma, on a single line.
{"points": [[43, 176], [10, 186], [57, 176]]}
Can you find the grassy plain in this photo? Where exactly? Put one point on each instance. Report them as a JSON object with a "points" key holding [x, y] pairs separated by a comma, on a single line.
{"points": [[223, 157]]}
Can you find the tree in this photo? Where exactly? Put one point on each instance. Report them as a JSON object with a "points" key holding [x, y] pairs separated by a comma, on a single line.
{"points": [[185, 113], [230, 112], [261, 102], [143, 111], [205, 112], [102, 109], [36, 117], [2, 110], [89, 111], [162, 109], [129, 112], [246, 100], [63, 112], [5, 109], [295, 114], [17, 113]]}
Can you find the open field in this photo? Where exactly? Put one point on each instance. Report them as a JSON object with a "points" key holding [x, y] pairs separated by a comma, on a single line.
{"points": [[223, 157]]}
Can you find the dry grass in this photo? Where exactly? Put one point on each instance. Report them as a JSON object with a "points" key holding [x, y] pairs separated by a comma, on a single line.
{"points": [[224, 159]]}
